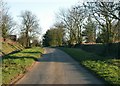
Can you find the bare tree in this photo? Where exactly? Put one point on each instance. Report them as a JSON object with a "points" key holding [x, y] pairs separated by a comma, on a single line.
{"points": [[30, 26], [115, 11], [6, 20], [73, 19], [77, 13], [98, 11], [0, 18]]}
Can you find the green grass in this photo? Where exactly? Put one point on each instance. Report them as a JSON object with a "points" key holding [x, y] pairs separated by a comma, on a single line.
{"points": [[15, 64], [104, 67]]}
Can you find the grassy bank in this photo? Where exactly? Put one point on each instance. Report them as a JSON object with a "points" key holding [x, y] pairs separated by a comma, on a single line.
{"points": [[104, 67], [15, 64], [7, 48]]}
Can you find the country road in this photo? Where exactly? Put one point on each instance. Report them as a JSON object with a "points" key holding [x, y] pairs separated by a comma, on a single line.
{"points": [[56, 67]]}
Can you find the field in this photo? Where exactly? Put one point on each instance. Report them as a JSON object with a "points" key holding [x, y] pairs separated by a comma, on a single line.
{"points": [[106, 68], [15, 64]]}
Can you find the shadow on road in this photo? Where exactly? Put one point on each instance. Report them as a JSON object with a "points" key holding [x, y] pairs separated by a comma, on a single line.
{"points": [[69, 64]]}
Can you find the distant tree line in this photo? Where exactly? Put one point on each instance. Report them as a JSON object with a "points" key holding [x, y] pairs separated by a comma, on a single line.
{"points": [[91, 22], [54, 36], [29, 29]]}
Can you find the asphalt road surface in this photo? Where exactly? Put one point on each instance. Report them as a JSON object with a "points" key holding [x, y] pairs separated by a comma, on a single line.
{"points": [[56, 67]]}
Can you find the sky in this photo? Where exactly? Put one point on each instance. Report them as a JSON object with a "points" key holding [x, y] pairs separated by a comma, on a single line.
{"points": [[45, 10]]}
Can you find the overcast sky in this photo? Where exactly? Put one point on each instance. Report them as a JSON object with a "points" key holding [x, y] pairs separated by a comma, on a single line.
{"points": [[44, 9]]}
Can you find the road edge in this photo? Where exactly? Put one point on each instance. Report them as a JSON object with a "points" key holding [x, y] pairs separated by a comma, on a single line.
{"points": [[20, 76]]}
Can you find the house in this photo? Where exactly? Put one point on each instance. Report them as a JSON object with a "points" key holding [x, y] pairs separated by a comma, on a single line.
{"points": [[13, 37]]}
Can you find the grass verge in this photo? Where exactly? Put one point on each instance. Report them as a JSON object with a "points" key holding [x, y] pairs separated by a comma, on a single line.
{"points": [[8, 48], [15, 64], [104, 67]]}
